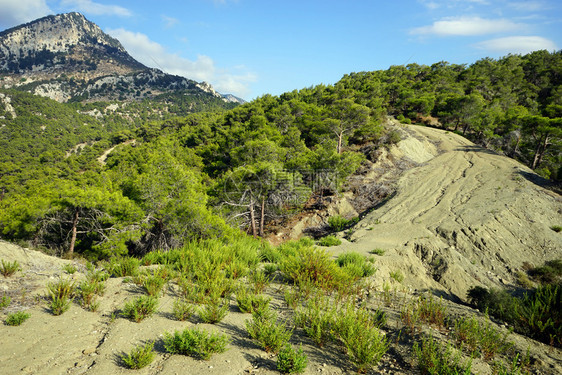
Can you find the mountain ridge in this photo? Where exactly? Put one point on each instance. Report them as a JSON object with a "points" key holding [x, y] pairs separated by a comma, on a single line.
{"points": [[68, 58]]}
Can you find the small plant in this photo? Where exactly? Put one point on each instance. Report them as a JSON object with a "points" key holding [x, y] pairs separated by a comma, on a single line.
{"points": [[17, 318], [312, 267], [556, 228], [124, 267], [317, 320], [5, 302], [514, 368], [249, 302], [356, 265], [549, 273], [337, 223], [480, 339], [329, 241], [195, 342], [182, 309], [153, 285], [191, 291], [140, 308], [379, 252], [140, 356], [87, 292], [291, 361], [69, 268], [435, 358], [263, 328], [523, 280], [269, 269], [411, 319], [397, 275], [292, 298], [97, 278], [61, 292], [432, 311], [260, 281], [358, 331], [9, 268], [213, 311]]}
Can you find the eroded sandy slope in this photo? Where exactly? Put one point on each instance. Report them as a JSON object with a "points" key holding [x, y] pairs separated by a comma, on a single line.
{"points": [[464, 217]]}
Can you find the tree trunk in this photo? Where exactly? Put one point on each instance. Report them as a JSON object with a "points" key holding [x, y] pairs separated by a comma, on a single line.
{"points": [[541, 147], [73, 235], [340, 136], [516, 147], [262, 217], [252, 219]]}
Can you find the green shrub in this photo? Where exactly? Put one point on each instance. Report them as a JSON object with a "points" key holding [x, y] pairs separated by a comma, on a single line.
{"points": [[549, 273], [87, 291], [248, 302], [317, 320], [291, 361], [358, 331], [182, 309], [17, 318], [121, 267], [312, 267], [432, 311], [537, 314], [236, 269], [153, 257], [329, 241], [69, 268], [356, 265], [140, 308], [7, 269], [379, 252], [140, 356], [264, 328], [191, 291], [195, 342], [153, 285], [270, 254], [338, 223], [5, 302], [397, 275], [523, 280], [97, 278], [214, 310], [436, 358], [260, 281], [480, 339], [61, 293]]}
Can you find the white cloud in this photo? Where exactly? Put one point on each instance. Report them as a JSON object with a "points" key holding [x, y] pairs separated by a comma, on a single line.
{"points": [[527, 6], [169, 22], [467, 26], [150, 53], [517, 44], [90, 7], [14, 13]]}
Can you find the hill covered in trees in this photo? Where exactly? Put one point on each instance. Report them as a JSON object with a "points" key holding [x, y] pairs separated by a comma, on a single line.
{"points": [[182, 177]]}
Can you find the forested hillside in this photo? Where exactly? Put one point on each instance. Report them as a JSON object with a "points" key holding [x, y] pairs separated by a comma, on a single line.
{"points": [[182, 178]]}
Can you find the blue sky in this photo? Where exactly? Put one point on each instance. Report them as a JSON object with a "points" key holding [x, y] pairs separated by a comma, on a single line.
{"points": [[254, 47]]}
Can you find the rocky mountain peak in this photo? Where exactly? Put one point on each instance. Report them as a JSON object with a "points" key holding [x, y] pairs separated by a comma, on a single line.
{"points": [[64, 42], [66, 57]]}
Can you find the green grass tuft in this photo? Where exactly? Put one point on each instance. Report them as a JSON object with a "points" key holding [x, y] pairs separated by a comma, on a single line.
{"points": [[17, 318]]}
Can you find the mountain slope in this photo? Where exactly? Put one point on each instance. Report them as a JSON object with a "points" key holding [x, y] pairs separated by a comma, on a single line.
{"points": [[68, 58]]}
